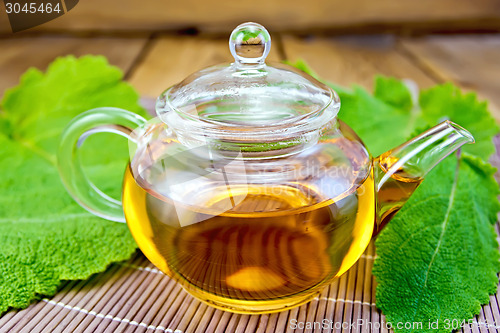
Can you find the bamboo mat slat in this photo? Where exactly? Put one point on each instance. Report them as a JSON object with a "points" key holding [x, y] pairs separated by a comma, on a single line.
{"points": [[133, 296]]}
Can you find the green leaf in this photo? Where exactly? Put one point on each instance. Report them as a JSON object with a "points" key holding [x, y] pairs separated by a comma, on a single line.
{"points": [[380, 125], [438, 258], [303, 66], [447, 102], [248, 33], [384, 120], [393, 92], [387, 118], [46, 237]]}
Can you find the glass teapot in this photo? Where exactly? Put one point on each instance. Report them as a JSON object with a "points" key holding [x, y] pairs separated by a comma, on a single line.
{"points": [[247, 189]]}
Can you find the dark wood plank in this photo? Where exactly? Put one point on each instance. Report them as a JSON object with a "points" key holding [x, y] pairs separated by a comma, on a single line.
{"points": [[348, 61], [280, 15], [172, 59], [18, 54], [472, 62]]}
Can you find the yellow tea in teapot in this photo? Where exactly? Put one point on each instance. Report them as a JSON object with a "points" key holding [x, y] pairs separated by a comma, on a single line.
{"points": [[247, 188], [394, 190], [270, 250]]}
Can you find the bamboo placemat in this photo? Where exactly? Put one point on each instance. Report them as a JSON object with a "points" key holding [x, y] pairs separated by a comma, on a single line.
{"points": [[133, 296]]}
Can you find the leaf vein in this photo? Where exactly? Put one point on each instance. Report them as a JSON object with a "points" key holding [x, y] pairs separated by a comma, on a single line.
{"points": [[444, 224]]}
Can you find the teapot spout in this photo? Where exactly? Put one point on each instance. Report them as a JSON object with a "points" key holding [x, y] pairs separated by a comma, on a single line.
{"points": [[399, 171]]}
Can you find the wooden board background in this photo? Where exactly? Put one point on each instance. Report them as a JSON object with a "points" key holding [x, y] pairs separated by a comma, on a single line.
{"points": [[135, 297], [296, 16]]}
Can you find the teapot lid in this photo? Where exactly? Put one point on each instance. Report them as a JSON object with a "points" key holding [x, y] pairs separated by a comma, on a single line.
{"points": [[248, 92]]}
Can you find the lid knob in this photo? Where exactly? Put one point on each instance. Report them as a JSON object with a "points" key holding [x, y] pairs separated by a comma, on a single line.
{"points": [[250, 44]]}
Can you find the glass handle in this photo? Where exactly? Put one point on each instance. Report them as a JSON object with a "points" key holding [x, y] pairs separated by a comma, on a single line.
{"points": [[111, 120]]}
